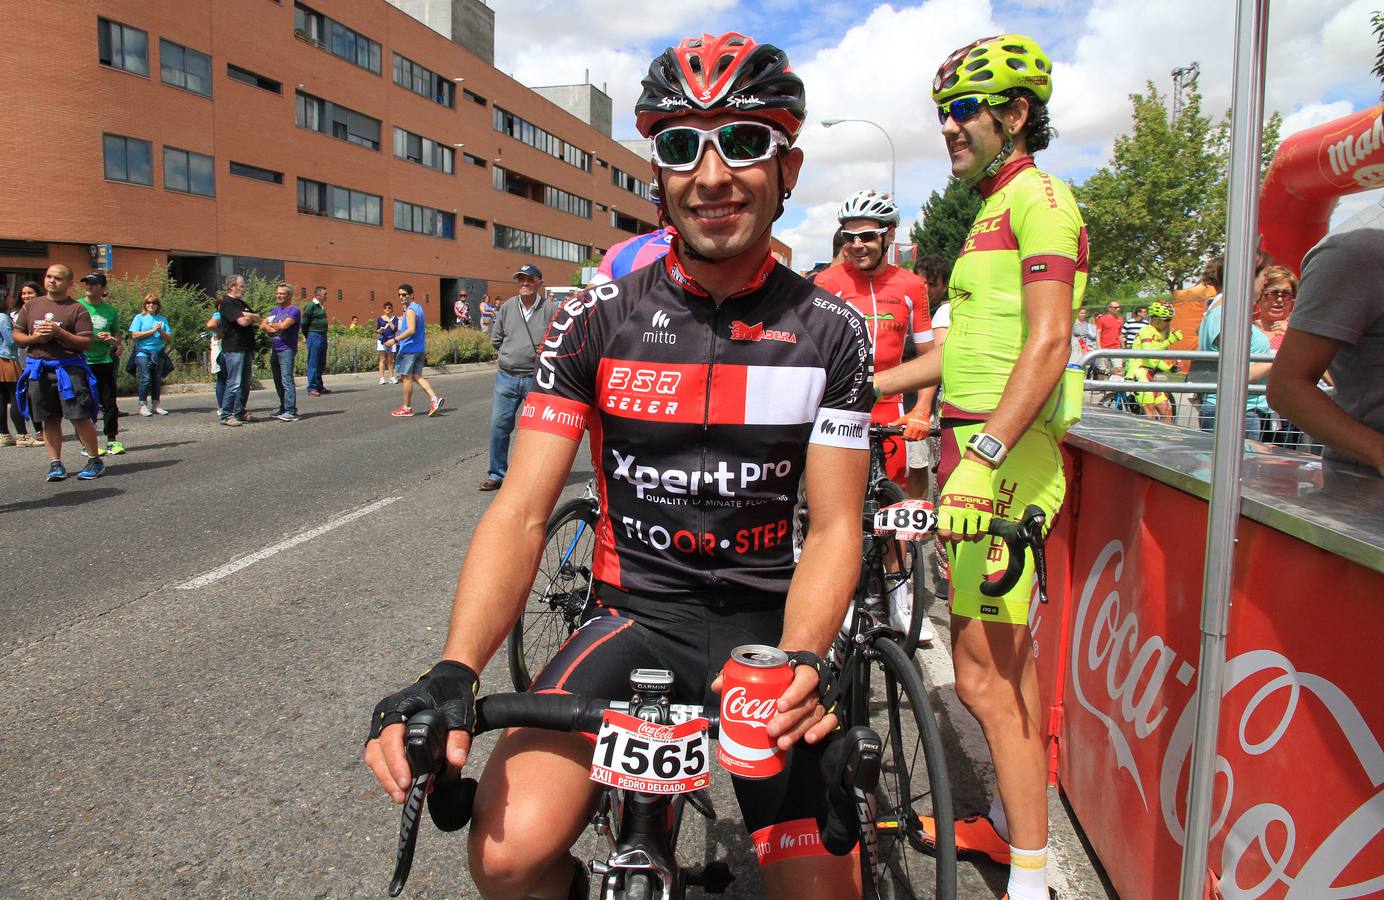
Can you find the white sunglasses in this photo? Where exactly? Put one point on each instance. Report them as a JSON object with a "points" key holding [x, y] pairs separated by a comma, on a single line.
{"points": [[739, 144]]}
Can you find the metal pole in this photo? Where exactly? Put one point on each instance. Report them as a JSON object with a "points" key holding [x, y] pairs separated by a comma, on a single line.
{"points": [[1242, 227], [893, 157]]}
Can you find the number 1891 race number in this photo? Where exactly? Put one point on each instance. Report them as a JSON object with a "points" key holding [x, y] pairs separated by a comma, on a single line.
{"points": [[657, 759]]}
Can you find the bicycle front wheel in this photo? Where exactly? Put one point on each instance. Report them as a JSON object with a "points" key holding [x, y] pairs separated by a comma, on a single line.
{"points": [[913, 783], [903, 572], [560, 593]]}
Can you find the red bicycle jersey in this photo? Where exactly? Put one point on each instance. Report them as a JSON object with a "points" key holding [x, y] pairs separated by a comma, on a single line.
{"points": [[893, 304], [699, 418]]}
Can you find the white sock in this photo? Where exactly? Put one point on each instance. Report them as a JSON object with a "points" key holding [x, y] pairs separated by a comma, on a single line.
{"points": [[1028, 874], [996, 817]]}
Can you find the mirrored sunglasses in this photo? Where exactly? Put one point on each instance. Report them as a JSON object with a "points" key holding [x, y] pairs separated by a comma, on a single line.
{"points": [[964, 109], [868, 236], [739, 144], [1279, 295]]}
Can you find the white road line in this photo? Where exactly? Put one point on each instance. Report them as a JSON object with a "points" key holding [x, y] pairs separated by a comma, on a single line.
{"points": [[236, 565]]}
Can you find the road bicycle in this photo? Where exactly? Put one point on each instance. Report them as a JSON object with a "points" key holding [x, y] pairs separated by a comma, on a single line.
{"points": [[646, 741], [914, 781], [561, 589]]}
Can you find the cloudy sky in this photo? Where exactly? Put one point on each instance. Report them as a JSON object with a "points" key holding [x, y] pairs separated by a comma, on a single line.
{"points": [[877, 62]]}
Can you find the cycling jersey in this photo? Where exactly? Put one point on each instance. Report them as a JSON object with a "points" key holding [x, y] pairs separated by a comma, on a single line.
{"points": [[1148, 338], [893, 303], [635, 253], [1028, 230], [699, 420]]}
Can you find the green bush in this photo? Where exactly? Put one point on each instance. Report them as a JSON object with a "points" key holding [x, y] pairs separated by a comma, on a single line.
{"points": [[188, 308]]}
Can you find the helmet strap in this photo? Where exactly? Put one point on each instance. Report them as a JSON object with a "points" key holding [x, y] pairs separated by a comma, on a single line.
{"points": [[998, 162]]}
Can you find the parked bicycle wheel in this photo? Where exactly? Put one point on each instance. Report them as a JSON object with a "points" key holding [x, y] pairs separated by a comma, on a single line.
{"points": [[910, 555], [913, 781], [560, 592]]}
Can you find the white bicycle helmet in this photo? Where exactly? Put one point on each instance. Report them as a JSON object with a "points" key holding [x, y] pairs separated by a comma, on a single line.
{"points": [[869, 205]]}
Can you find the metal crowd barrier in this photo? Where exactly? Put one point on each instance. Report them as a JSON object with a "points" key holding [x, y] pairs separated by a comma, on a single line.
{"points": [[1116, 393]]}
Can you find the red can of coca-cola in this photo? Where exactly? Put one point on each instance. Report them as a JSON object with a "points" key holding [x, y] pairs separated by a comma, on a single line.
{"points": [[755, 677]]}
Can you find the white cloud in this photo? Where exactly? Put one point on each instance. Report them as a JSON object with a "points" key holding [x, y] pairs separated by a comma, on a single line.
{"points": [[881, 68], [1313, 114]]}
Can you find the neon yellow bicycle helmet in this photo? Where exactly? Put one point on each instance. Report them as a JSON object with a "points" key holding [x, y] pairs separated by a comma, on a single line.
{"points": [[994, 64], [1160, 311]]}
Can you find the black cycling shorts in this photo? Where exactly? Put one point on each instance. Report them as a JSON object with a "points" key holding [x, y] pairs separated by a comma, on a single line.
{"points": [[694, 641]]}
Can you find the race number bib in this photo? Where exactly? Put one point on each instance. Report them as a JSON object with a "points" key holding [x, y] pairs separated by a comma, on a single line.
{"points": [[657, 759], [910, 520]]}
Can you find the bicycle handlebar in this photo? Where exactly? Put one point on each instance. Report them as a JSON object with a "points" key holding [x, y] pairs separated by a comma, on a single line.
{"points": [[1027, 532]]}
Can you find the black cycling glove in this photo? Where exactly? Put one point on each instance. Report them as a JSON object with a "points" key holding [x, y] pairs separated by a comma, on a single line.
{"points": [[448, 687], [826, 676]]}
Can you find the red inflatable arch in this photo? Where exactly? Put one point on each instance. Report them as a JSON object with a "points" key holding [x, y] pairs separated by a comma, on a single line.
{"points": [[1309, 172]]}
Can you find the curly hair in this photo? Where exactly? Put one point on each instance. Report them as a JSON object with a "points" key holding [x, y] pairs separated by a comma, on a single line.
{"points": [[1038, 130]]}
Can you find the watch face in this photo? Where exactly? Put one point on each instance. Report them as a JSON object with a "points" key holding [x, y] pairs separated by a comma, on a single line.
{"points": [[987, 446]]}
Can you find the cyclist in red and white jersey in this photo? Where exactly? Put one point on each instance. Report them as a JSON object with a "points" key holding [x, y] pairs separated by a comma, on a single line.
{"points": [[717, 388], [894, 304]]}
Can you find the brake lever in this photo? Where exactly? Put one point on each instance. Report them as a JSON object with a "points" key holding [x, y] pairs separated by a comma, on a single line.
{"points": [[425, 743]]}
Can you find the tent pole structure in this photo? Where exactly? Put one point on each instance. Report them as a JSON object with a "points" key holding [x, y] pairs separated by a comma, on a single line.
{"points": [[1242, 229]]}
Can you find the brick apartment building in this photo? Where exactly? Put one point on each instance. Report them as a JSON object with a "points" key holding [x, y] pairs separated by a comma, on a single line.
{"points": [[336, 142]]}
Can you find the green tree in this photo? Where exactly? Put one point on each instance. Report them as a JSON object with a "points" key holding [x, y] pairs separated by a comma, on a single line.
{"points": [[1377, 23], [575, 280], [1157, 212], [947, 219]]}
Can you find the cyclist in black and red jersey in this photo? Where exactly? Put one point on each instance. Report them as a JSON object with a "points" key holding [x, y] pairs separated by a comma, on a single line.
{"points": [[719, 391]]}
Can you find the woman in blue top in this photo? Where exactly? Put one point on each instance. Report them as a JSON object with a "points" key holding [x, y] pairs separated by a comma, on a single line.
{"points": [[149, 329]]}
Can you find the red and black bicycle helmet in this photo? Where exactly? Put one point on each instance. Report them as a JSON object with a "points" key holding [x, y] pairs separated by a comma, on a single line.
{"points": [[708, 75]]}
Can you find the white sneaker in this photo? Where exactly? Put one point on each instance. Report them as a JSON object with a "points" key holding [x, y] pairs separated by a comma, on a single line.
{"points": [[394, 381], [144, 410], [383, 380], [926, 633], [160, 411]]}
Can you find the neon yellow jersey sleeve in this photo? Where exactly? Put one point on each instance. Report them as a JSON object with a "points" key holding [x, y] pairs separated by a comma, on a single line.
{"points": [[1029, 229]]}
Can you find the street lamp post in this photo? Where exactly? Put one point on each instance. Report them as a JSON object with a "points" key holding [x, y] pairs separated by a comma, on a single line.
{"points": [[893, 159]]}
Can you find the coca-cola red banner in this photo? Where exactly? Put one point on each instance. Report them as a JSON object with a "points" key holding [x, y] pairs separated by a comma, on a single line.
{"points": [[1299, 801]]}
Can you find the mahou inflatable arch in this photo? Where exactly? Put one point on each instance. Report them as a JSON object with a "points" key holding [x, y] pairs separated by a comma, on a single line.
{"points": [[1309, 172]]}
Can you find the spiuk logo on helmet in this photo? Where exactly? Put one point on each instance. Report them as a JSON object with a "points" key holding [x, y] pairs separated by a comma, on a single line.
{"points": [[709, 75]]}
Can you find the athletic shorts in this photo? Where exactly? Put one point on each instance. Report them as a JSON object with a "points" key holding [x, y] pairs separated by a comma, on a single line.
{"points": [[46, 401], [380, 346], [1146, 398], [408, 364], [1030, 474], [694, 640]]}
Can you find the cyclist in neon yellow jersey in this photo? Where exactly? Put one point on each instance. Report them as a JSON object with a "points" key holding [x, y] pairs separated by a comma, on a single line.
{"points": [[1013, 293], [1154, 336]]}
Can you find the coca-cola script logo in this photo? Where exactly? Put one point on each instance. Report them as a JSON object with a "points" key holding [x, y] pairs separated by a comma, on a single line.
{"points": [[656, 731], [1261, 844], [745, 710]]}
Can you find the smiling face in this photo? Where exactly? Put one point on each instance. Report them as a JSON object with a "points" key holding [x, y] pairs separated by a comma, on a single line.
{"points": [[974, 144], [720, 211], [283, 296], [865, 242]]}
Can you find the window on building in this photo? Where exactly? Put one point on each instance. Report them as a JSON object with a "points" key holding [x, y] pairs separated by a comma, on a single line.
{"points": [[628, 182], [474, 222], [602, 163], [629, 223], [519, 129], [129, 159], [521, 185], [185, 68], [188, 172], [474, 160], [424, 220], [122, 47], [253, 79], [534, 244], [424, 151], [320, 199], [473, 97], [338, 121], [336, 38], [245, 170], [424, 81]]}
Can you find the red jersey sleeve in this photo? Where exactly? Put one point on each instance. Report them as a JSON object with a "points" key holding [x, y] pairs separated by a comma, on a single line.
{"points": [[564, 380]]}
